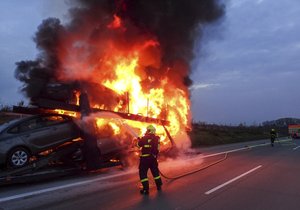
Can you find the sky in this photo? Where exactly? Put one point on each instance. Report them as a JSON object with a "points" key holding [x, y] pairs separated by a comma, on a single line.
{"points": [[246, 67], [18, 23]]}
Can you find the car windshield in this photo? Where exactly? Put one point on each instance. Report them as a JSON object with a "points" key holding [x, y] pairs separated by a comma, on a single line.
{"points": [[5, 125]]}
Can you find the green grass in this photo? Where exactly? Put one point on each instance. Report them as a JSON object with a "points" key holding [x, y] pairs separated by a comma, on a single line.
{"points": [[206, 135]]}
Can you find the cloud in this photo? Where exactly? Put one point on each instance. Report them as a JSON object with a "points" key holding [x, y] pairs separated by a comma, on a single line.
{"points": [[236, 3], [259, 1], [203, 86], [297, 45]]}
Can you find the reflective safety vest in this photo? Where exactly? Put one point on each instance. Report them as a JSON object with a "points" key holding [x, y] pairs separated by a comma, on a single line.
{"points": [[149, 145], [273, 134]]}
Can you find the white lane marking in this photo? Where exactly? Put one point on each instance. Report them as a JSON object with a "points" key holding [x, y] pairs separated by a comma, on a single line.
{"points": [[222, 153], [240, 149], [232, 180], [235, 150], [201, 156], [296, 148], [24, 195]]}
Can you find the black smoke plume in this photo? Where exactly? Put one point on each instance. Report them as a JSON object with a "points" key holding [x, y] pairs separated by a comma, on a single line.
{"points": [[175, 24]]}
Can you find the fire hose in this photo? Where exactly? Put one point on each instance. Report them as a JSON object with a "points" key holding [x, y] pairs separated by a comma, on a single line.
{"points": [[195, 171], [185, 174], [191, 172]]}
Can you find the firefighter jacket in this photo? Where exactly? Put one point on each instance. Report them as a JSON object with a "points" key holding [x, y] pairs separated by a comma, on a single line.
{"points": [[149, 144], [273, 134]]}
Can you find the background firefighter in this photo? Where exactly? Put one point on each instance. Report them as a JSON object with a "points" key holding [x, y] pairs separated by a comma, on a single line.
{"points": [[273, 136], [149, 145]]}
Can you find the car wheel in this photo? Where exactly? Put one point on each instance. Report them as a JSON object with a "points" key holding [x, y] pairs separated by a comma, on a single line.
{"points": [[18, 157]]}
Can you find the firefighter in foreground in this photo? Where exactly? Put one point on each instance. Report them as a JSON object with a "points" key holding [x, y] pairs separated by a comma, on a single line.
{"points": [[149, 145], [273, 136]]}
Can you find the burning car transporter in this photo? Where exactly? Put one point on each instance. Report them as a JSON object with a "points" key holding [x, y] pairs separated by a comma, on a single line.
{"points": [[82, 154], [131, 57]]}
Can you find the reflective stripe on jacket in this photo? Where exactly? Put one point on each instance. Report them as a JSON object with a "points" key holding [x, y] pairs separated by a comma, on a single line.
{"points": [[149, 144]]}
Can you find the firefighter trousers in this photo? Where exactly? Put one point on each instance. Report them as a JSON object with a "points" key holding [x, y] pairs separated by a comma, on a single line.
{"points": [[146, 163], [272, 141]]}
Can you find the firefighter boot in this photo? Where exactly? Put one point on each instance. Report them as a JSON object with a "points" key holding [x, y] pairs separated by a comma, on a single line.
{"points": [[145, 190], [158, 183]]}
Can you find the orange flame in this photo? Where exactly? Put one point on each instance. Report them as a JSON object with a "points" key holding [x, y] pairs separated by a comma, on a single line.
{"points": [[65, 112], [132, 70], [153, 102], [116, 23], [102, 124]]}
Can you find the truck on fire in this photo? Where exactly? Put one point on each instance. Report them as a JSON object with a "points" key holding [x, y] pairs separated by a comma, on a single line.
{"points": [[294, 131]]}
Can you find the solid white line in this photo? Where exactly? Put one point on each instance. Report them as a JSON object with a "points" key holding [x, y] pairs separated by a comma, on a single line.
{"points": [[24, 195], [235, 150], [232, 180], [222, 153], [296, 148]]}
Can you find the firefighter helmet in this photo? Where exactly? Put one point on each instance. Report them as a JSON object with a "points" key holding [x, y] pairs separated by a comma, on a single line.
{"points": [[151, 129]]}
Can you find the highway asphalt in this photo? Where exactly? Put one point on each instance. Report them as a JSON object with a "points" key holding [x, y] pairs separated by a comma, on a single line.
{"points": [[253, 176]]}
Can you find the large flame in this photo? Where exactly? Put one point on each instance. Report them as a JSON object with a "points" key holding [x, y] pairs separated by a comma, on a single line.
{"points": [[132, 71]]}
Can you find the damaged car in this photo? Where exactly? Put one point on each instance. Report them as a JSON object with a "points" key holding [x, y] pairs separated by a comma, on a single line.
{"points": [[23, 138]]}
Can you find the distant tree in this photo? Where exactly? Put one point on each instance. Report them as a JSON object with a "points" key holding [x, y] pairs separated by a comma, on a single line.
{"points": [[21, 103], [5, 108]]}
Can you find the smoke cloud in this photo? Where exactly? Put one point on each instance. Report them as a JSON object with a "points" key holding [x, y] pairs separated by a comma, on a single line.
{"points": [[70, 53]]}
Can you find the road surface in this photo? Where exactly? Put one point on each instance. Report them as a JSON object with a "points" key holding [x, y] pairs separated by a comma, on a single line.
{"points": [[258, 177]]}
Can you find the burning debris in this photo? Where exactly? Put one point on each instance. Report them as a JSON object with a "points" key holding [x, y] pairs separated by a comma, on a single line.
{"points": [[130, 56]]}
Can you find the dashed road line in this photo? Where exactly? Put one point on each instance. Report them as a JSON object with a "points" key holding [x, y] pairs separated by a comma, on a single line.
{"points": [[296, 147], [232, 180]]}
